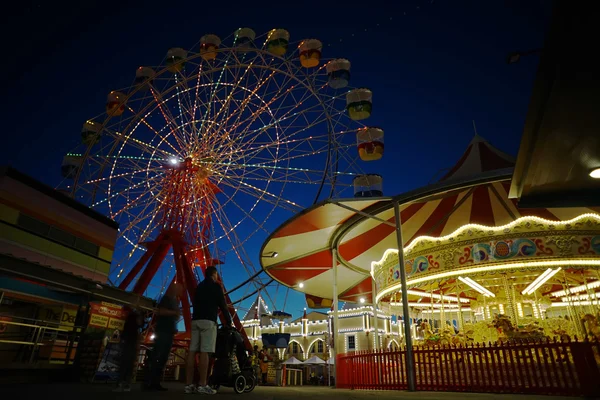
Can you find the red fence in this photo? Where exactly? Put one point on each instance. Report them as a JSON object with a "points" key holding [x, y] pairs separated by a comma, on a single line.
{"points": [[544, 367]]}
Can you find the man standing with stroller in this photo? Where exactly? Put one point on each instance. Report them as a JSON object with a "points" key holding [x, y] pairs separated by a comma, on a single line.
{"points": [[208, 299]]}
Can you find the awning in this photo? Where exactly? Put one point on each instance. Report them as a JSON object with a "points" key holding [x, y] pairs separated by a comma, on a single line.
{"points": [[561, 137], [314, 360], [292, 361], [33, 272], [362, 230]]}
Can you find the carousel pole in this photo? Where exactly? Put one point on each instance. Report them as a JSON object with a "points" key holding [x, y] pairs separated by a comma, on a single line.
{"points": [[335, 329], [410, 361], [459, 320], [509, 299], [431, 324], [573, 314], [598, 300], [590, 295], [442, 313], [375, 322]]}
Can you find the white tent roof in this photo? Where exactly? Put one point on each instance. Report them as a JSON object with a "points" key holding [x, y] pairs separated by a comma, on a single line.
{"points": [[292, 361], [314, 360]]}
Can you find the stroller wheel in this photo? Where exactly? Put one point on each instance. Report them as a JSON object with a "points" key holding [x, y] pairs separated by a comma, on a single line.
{"points": [[239, 384], [250, 384]]}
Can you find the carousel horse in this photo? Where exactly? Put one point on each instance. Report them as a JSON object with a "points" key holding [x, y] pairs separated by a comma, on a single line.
{"points": [[429, 339], [463, 338], [446, 336], [592, 326], [506, 329]]}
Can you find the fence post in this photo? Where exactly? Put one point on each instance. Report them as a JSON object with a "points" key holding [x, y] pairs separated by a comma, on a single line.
{"points": [[586, 367], [351, 372]]}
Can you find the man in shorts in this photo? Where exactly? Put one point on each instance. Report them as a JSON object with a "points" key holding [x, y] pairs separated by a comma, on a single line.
{"points": [[208, 299]]}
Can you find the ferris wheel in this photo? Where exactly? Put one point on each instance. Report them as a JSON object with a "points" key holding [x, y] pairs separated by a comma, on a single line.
{"points": [[202, 151]]}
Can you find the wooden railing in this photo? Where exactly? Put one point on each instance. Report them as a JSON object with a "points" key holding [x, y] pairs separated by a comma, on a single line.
{"points": [[543, 367]]}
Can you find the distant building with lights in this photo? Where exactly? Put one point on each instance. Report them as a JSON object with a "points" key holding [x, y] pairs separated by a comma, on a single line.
{"points": [[311, 333]]}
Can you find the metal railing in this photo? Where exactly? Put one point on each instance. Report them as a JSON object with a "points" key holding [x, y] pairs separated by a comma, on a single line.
{"points": [[33, 341]]}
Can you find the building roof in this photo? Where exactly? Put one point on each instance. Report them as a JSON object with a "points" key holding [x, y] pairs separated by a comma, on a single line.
{"points": [[258, 310], [10, 172], [312, 316], [41, 274], [560, 145]]}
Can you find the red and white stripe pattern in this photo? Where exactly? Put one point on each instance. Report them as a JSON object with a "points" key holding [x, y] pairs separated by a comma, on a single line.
{"points": [[303, 243], [479, 157]]}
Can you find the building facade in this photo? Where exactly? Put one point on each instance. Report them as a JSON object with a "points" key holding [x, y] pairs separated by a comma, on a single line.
{"points": [[42, 225], [310, 335]]}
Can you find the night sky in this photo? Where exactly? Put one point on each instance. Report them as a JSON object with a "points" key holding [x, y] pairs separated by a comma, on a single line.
{"points": [[433, 66]]}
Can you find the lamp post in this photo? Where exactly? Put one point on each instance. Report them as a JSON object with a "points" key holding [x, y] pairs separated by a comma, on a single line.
{"points": [[410, 361], [334, 330]]}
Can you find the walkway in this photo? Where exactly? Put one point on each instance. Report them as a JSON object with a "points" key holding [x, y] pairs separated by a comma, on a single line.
{"points": [[103, 392]]}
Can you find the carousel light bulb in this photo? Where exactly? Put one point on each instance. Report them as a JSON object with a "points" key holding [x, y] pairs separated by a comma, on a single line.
{"points": [[301, 285], [540, 280], [362, 300], [476, 286], [152, 337], [595, 173], [173, 161]]}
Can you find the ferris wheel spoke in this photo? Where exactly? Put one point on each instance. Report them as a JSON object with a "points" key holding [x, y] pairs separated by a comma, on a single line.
{"points": [[273, 98], [119, 193], [170, 121], [292, 117], [230, 233], [187, 134], [146, 148], [261, 194], [236, 84], [248, 100], [257, 148]]}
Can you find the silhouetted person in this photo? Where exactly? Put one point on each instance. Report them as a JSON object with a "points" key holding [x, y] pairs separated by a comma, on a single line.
{"points": [[167, 316], [129, 349]]}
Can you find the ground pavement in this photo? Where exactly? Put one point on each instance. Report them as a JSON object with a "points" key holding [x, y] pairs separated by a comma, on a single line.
{"points": [[104, 392]]}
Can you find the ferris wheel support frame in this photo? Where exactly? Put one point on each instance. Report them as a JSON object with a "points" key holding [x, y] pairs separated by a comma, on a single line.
{"points": [[172, 237]]}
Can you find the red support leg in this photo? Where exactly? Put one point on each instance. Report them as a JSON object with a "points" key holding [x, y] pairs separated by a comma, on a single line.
{"points": [[151, 248], [185, 304], [161, 252], [187, 280]]}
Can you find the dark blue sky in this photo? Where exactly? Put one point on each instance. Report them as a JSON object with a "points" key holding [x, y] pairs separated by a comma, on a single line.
{"points": [[433, 67]]}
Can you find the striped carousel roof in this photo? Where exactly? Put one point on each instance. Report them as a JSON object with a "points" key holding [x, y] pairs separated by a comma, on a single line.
{"points": [[479, 157], [474, 191]]}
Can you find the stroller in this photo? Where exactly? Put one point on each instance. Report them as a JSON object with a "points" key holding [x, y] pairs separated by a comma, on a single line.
{"points": [[232, 366]]}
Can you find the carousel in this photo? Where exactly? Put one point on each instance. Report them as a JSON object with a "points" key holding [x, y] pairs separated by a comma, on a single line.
{"points": [[478, 267]]}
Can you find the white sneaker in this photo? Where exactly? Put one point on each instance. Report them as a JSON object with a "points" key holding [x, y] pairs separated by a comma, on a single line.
{"points": [[122, 387], [205, 390], [190, 389]]}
